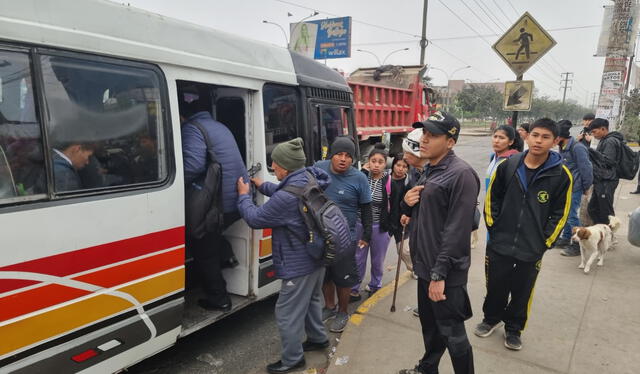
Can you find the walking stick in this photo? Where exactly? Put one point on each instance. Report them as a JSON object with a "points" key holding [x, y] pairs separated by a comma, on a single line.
{"points": [[395, 286]]}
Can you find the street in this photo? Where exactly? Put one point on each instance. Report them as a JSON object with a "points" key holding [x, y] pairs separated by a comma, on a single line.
{"points": [[248, 340]]}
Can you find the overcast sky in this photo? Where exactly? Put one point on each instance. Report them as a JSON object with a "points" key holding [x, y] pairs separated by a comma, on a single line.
{"points": [[384, 26]]}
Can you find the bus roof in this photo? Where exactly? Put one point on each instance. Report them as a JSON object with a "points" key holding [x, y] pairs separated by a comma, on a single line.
{"points": [[109, 28], [312, 73]]}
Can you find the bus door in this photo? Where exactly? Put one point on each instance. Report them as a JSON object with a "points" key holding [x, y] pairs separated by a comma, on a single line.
{"points": [[328, 122], [231, 107]]}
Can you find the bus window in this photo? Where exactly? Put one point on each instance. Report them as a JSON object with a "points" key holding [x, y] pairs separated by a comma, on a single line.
{"points": [[105, 123], [21, 159], [333, 124], [280, 116]]}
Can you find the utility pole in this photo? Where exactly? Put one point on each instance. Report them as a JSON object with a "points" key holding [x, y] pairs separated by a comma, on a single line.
{"points": [[566, 81], [593, 101], [423, 41]]}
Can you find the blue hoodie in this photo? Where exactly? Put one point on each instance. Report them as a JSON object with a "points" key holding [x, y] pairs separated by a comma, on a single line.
{"points": [[281, 213]]}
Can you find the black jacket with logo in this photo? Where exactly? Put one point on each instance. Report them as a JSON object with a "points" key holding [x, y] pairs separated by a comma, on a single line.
{"points": [[442, 221], [525, 220]]}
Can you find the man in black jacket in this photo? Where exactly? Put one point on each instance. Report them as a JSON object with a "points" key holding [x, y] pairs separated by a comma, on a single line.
{"points": [[443, 205], [605, 176], [527, 205]]}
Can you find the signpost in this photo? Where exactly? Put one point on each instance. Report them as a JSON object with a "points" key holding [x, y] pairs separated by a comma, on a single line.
{"points": [[520, 47], [322, 39]]}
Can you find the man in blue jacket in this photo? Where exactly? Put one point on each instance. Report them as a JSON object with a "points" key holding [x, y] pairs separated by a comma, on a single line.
{"points": [[299, 305], [575, 156], [213, 251]]}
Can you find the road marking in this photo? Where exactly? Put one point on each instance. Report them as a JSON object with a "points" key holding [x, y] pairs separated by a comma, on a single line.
{"points": [[363, 309]]}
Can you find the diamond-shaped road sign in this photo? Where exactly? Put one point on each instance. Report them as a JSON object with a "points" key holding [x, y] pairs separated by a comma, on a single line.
{"points": [[523, 44]]}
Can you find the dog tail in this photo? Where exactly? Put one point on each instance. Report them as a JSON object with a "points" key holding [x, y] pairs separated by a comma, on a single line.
{"points": [[614, 223]]}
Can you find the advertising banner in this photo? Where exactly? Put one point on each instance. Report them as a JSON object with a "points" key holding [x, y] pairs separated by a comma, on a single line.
{"points": [[322, 39]]}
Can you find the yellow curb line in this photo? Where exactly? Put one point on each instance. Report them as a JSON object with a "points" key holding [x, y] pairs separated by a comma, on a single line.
{"points": [[363, 309]]}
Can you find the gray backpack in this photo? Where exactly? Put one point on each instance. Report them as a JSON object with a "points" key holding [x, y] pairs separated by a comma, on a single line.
{"points": [[634, 228]]}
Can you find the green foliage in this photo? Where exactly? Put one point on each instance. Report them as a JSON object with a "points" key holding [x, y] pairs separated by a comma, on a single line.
{"points": [[480, 102], [631, 122], [476, 101]]}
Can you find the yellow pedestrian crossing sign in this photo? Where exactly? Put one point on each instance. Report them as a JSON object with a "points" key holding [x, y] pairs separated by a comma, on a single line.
{"points": [[523, 44]]}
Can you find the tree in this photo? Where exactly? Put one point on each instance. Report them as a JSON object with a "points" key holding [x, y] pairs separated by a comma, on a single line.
{"points": [[631, 122], [480, 102]]}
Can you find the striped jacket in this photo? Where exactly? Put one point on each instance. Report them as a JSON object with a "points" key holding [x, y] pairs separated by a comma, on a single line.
{"points": [[525, 220]]}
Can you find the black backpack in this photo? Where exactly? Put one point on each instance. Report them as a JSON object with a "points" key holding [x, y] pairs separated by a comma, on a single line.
{"points": [[203, 197], [328, 236], [628, 163]]}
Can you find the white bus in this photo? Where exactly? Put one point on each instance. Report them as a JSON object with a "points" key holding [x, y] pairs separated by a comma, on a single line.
{"points": [[93, 277]]}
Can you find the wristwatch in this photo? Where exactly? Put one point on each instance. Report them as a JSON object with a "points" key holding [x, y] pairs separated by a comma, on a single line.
{"points": [[436, 277]]}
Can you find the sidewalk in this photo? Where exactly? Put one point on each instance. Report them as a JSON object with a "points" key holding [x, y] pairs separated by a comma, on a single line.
{"points": [[578, 324]]}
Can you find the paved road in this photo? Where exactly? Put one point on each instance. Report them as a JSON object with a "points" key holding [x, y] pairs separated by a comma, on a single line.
{"points": [[248, 340]]}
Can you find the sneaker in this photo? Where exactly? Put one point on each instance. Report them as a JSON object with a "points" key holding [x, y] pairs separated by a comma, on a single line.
{"points": [[414, 275], [327, 314], [484, 329], [512, 341], [370, 290], [416, 312], [339, 322], [635, 192], [571, 251], [415, 370], [562, 243], [308, 346]]}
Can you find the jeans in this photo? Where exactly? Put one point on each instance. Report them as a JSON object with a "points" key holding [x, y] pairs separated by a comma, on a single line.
{"points": [[573, 219]]}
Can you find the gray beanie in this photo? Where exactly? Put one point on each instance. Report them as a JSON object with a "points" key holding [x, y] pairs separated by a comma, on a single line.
{"points": [[343, 144], [290, 155]]}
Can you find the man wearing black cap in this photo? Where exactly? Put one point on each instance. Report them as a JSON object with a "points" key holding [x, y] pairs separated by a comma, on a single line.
{"points": [[442, 207], [575, 156], [349, 189], [605, 175]]}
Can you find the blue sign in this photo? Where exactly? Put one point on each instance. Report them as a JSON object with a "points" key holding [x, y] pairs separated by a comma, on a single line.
{"points": [[322, 39]]}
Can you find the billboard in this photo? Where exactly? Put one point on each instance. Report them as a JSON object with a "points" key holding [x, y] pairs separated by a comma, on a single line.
{"points": [[322, 39]]}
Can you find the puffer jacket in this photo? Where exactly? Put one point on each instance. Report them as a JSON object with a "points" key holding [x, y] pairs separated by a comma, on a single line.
{"points": [[525, 220], [194, 154], [607, 157], [576, 157], [281, 213]]}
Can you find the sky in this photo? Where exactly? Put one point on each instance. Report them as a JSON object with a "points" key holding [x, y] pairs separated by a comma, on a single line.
{"points": [[453, 26]]}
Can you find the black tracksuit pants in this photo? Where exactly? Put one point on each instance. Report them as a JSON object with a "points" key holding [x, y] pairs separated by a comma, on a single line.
{"points": [[601, 204], [510, 284], [443, 328]]}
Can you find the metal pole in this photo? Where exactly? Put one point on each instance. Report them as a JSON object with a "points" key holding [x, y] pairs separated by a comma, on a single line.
{"points": [[514, 116], [423, 41]]}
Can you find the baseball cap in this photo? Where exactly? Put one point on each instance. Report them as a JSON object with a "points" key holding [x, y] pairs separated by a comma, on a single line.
{"points": [[441, 123], [411, 144]]}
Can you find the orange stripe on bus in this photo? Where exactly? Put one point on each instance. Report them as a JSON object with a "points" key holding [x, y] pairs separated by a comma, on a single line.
{"points": [[124, 273], [42, 297], [61, 320]]}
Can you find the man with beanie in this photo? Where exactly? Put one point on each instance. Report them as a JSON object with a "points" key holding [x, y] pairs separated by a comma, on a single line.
{"points": [[299, 306], [349, 189], [575, 156], [212, 252], [442, 210]]}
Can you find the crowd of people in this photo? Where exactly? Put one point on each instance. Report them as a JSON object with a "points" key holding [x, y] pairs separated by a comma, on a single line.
{"points": [[537, 178]]}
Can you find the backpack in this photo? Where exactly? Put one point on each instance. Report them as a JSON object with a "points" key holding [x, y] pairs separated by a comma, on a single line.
{"points": [[627, 167], [203, 197], [329, 236]]}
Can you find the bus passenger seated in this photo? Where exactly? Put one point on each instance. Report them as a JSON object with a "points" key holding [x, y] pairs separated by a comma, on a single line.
{"points": [[212, 252], [68, 159]]}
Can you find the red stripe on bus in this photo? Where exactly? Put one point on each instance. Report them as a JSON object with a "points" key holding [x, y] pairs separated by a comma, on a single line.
{"points": [[88, 258], [42, 297]]}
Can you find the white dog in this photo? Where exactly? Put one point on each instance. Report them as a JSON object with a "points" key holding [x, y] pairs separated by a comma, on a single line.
{"points": [[597, 239]]}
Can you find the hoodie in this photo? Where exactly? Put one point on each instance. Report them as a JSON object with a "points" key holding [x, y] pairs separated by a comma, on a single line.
{"points": [[608, 156], [281, 213], [524, 220]]}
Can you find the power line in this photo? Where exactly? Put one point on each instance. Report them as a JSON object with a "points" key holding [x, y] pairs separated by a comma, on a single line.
{"points": [[501, 11], [478, 17], [479, 4], [464, 22], [514, 8]]}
